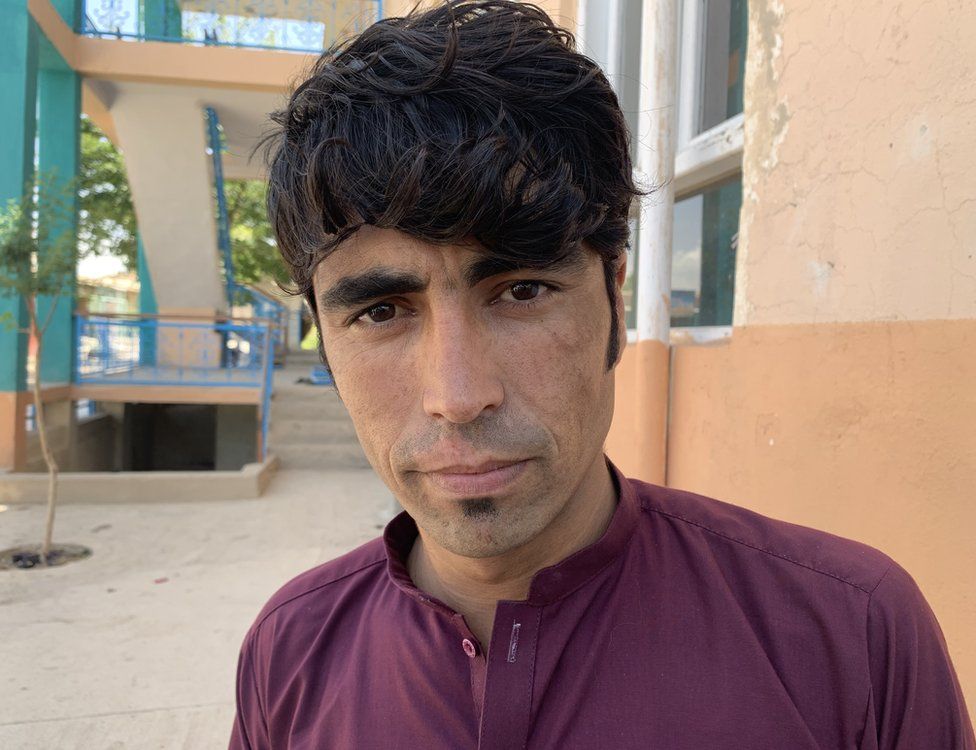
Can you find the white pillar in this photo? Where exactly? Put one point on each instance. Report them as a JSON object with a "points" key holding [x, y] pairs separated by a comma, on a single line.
{"points": [[656, 138], [295, 327], [655, 166], [162, 132]]}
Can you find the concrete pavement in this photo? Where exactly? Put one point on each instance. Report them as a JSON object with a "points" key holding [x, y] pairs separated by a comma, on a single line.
{"points": [[136, 647]]}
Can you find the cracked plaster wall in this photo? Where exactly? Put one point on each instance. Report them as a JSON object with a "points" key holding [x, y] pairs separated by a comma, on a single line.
{"points": [[844, 398], [859, 169]]}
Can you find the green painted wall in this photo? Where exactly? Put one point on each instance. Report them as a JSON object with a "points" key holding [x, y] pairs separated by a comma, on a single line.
{"points": [[163, 19], [70, 11], [59, 112], [147, 305], [147, 296], [18, 101]]}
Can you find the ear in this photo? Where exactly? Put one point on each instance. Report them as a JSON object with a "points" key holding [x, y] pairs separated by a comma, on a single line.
{"points": [[619, 277]]}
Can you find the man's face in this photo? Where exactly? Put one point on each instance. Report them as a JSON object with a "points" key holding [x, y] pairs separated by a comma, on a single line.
{"points": [[480, 395]]}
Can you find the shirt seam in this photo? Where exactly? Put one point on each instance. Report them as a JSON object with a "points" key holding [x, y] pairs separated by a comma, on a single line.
{"points": [[569, 592], [773, 553], [867, 649], [260, 622], [625, 542], [262, 706]]}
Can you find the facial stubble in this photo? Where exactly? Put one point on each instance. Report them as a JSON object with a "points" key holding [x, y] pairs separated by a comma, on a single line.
{"points": [[479, 508]]}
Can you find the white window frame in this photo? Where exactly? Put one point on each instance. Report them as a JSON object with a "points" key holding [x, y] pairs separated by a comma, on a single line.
{"points": [[606, 51], [703, 159], [709, 157]]}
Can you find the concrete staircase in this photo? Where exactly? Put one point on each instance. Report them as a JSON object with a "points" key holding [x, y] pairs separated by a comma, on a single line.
{"points": [[310, 428]]}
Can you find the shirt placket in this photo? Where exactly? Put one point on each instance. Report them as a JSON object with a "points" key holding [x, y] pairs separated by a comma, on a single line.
{"points": [[507, 707], [479, 667]]}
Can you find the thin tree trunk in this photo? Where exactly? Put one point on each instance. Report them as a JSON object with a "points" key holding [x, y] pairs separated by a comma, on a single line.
{"points": [[52, 465]]}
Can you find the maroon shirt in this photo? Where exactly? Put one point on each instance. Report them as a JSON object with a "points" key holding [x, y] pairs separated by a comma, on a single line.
{"points": [[690, 624]]}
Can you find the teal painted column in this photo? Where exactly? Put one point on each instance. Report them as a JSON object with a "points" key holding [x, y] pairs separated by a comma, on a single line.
{"points": [[147, 296], [70, 11], [147, 305], [18, 103], [163, 19], [58, 125]]}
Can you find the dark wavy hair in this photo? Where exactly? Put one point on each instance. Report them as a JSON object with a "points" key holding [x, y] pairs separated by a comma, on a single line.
{"points": [[476, 119]]}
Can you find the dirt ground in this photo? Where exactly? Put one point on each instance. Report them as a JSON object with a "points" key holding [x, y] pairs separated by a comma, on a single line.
{"points": [[136, 647]]}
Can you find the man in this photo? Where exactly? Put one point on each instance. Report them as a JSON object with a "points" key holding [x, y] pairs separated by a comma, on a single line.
{"points": [[450, 191]]}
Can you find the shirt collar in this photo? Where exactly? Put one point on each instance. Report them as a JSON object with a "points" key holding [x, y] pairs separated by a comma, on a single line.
{"points": [[549, 584]]}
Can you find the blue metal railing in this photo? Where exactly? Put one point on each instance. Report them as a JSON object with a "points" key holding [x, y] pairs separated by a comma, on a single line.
{"points": [[293, 25], [261, 304], [215, 144], [221, 353]]}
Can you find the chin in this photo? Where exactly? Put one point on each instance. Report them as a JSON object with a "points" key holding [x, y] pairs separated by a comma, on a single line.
{"points": [[484, 535]]}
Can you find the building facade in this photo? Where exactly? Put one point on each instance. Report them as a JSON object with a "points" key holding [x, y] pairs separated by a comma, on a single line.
{"points": [[801, 295], [817, 362]]}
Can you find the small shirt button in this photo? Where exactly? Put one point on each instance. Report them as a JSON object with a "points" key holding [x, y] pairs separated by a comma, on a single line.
{"points": [[469, 647]]}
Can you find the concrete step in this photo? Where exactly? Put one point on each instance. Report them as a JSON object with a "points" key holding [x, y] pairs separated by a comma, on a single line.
{"points": [[304, 356], [310, 427], [289, 386], [312, 431], [311, 456], [285, 405]]}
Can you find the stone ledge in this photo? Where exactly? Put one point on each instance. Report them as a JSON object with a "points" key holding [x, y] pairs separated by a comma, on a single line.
{"points": [[140, 486]]}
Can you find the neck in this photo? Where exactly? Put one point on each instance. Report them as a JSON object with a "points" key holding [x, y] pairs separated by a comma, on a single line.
{"points": [[473, 586]]}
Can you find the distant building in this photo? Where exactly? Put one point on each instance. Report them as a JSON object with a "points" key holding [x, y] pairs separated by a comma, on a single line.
{"points": [[109, 294]]}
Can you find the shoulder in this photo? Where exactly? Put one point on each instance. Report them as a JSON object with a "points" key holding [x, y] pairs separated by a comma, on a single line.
{"points": [[313, 593], [794, 579], [758, 539]]}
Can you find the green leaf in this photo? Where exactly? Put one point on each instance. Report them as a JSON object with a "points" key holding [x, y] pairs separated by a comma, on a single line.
{"points": [[106, 218], [253, 247], [38, 251]]}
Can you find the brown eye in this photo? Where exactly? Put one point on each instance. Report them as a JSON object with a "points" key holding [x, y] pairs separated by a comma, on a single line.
{"points": [[524, 290], [380, 313]]}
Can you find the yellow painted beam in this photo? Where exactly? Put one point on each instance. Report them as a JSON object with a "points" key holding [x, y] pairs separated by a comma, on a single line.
{"points": [[169, 62], [96, 110], [166, 394]]}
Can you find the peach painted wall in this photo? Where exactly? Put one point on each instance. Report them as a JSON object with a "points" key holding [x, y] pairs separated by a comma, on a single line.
{"points": [[636, 443], [866, 430], [846, 397], [859, 171]]}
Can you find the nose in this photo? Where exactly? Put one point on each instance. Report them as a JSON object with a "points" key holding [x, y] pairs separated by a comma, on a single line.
{"points": [[460, 374]]}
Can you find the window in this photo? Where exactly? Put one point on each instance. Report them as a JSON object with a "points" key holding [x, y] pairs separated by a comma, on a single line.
{"points": [[629, 290], [708, 165], [712, 61], [706, 228], [723, 62], [85, 408], [609, 32]]}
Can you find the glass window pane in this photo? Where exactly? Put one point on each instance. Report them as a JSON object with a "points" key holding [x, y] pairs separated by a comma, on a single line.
{"points": [[706, 230], [614, 42], [627, 84], [724, 33], [629, 290]]}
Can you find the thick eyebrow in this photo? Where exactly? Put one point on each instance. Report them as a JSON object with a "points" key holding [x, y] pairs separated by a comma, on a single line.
{"points": [[352, 291], [488, 266]]}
